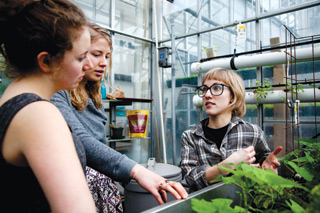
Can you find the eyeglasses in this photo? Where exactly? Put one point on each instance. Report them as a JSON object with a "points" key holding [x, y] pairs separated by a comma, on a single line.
{"points": [[215, 89]]}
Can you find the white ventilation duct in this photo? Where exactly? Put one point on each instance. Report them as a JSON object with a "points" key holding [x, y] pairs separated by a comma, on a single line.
{"points": [[266, 59]]}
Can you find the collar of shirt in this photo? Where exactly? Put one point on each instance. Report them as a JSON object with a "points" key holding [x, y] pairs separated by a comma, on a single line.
{"points": [[199, 127]]}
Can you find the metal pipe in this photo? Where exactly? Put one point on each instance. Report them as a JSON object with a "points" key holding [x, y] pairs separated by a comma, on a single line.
{"points": [[159, 84], [173, 92], [255, 60]]}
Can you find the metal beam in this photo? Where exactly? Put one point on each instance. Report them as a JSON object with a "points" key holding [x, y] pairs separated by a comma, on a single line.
{"points": [[260, 17]]}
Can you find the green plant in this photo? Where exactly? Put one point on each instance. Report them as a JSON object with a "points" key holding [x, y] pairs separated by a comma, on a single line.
{"points": [[214, 49], [295, 89], [216, 205], [262, 90], [263, 190], [315, 200], [305, 161]]}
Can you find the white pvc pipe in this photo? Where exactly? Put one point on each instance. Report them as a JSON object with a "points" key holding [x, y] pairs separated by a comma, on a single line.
{"points": [[266, 59], [275, 97], [279, 96]]}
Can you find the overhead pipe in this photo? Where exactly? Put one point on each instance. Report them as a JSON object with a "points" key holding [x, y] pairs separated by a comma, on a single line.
{"points": [[274, 97], [266, 59], [279, 96]]}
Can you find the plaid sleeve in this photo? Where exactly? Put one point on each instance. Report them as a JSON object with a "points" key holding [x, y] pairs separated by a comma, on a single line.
{"points": [[261, 146], [192, 171]]}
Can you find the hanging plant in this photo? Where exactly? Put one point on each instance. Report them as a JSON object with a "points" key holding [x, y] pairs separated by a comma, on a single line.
{"points": [[295, 89], [211, 51], [262, 91]]}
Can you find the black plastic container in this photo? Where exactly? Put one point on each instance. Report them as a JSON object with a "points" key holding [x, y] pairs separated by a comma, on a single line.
{"points": [[137, 199]]}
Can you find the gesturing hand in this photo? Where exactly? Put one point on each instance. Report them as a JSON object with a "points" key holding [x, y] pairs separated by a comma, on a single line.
{"points": [[246, 155], [271, 162]]}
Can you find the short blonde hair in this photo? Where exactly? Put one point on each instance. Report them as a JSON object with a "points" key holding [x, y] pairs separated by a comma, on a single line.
{"points": [[233, 80]]}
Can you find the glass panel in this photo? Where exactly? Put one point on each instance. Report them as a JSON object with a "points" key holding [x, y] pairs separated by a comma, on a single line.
{"points": [[186, 115], [183, 14], [249, 76], [301, 23], [224, 41], [271, 5], [96, 10], [215, 13], [131, 72], [138, 150], [133, 17], [251, 114], [131, 66], [309, 118]]}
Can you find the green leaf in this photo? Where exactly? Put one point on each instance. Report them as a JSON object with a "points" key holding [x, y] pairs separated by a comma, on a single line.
{"points": [[306, 171], [265, 177], [235, 179], [301, 160], [296, 208], [216, 205], [267, 202], [262, 201], [309, 158], [309, 142], [315, 200]]}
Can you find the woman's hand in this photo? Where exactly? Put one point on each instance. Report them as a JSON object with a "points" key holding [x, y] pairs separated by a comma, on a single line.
{"points": [[271, 162], [155, 184], [246, 155]]}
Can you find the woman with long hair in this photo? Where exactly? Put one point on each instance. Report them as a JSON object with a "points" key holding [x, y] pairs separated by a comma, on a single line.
{"points": [[83, 111], [45, 44]]}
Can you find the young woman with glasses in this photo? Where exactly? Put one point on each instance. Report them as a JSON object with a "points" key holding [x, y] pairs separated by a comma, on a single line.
{"points": [[223, 137]]}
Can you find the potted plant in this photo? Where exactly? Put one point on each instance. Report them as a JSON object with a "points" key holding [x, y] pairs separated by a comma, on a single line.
{"points": [[263, 190], [211, 51]]}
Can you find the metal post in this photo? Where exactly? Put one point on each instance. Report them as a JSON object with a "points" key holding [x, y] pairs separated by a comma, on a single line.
{"points": [[173, 98], [259, 69], [112, 18], [199, 39]]}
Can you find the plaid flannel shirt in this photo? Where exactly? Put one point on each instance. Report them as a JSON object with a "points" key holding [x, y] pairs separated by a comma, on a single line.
{"points": [[199, 153]]}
